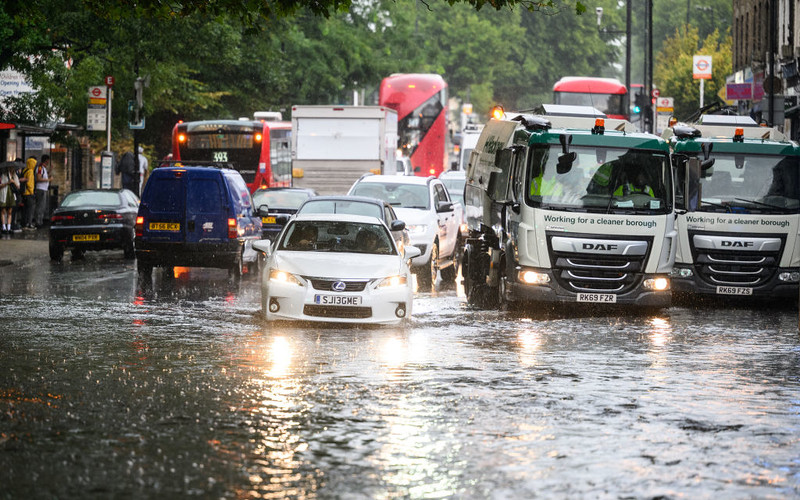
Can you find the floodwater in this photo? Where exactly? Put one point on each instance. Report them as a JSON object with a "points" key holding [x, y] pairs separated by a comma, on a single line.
{"points": [[106, 392]]}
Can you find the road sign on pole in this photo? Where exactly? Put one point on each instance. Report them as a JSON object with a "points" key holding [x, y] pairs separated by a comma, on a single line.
{"points": [[96, 111]]}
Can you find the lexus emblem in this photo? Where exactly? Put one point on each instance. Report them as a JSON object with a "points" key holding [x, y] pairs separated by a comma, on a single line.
{"points": [[338, 286]]}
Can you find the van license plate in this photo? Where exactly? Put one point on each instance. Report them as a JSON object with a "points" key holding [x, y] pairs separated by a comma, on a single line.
{"points": [[338, 300], [603, 298], [268, 220], [85, 237], [734, 290], [165, 226]]}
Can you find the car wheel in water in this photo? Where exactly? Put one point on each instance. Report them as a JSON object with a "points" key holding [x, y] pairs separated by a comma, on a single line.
{"points": [[128, 247], [426, 274], [78, 254], [56, 251]]}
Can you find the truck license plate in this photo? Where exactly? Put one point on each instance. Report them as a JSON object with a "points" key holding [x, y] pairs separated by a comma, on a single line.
{"points": [[338, 300], [603, 298], [734, 290]]}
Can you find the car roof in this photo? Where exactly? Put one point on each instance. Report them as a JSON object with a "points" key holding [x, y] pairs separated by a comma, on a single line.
{"points": [[460, 174], [272, 189], [362, 199], [365, 219], [397, 179]]}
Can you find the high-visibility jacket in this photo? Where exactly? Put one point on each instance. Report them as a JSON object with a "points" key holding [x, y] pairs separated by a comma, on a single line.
{"points": [[545, 187], [628, 188]]}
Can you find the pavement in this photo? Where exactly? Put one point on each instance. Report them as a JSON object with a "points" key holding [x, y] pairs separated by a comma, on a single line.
{"points": [[18, 248]]}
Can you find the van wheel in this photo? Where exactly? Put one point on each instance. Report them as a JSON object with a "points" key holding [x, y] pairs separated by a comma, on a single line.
{"points": [[426, 275], [56, 252], [144, 272]]}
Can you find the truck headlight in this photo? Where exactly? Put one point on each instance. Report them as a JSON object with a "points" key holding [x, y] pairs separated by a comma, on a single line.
{"points": [[657, 284], [681, 272], [417, 228], [789, 276], [530, 277]]}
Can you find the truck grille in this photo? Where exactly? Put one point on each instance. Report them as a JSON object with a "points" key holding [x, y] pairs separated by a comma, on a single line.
{"points": [[597, 272], [737, 267]]}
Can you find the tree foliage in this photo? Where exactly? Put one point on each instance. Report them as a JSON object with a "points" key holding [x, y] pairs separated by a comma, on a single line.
{"points": [[673, 68]]}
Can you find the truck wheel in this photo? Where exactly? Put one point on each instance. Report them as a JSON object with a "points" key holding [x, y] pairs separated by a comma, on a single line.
{"points": [[56, 252]]}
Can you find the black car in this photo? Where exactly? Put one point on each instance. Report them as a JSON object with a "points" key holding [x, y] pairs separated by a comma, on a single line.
{"points": [[359, 205], [94, 219], [281, 204]]}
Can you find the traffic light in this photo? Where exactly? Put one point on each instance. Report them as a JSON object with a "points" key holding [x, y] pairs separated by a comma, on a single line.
{"points": [[639, 102]]}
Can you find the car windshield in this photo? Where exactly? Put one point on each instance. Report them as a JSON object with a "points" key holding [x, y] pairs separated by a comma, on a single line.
{"points": [[455, 186], [92, 199], [396, 194], [349, 207], [279, 198], [335, 236], [601, 180]]}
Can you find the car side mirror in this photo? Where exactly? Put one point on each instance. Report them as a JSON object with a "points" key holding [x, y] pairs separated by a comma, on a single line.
{"points": [[444, 206], [263, 246], [397, 225], [263, 210], [411, 252]]}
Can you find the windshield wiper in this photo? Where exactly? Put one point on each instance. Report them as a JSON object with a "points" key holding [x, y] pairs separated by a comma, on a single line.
{"points": [[718, 205], [769, 205]]}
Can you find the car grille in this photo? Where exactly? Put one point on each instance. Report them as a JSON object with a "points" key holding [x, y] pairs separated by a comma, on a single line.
{"points": [[337, 311], [327, 285], [736, 268], [597, 272]]}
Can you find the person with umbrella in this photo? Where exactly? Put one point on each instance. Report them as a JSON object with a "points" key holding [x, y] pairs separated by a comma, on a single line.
{"points": [[8, 200]]}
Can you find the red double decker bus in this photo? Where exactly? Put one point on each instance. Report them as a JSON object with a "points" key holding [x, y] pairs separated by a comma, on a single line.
{"points": [[259, 150], [605, 94], [421, 104]]}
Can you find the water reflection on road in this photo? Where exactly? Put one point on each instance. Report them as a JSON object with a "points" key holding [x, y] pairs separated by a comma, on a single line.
{"points": [[110, 391]]}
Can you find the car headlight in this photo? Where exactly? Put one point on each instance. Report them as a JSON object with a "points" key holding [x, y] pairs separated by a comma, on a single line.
{"points": [[392, 282], [283, 277], [417, 228]]}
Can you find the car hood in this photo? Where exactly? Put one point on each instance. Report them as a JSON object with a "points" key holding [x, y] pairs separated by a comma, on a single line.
{"points": [[413, 215], [337, 265]]}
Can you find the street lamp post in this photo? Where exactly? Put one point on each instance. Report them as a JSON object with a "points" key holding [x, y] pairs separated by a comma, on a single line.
{"points": [[627, 32]]}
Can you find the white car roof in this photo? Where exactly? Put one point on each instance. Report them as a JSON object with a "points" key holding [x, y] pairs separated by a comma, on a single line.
{"points": [[457, 174], [395, 179]]}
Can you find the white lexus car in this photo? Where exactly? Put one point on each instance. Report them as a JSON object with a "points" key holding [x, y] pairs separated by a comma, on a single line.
{"points": [[336, 268]]}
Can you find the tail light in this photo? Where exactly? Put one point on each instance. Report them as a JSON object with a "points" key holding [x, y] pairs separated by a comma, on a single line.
{"points": [[59, 218], [139, 226], [233, 229], [110, 217]]}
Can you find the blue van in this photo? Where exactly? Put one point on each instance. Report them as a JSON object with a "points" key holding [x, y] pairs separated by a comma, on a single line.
{"points": [[196, 216]]}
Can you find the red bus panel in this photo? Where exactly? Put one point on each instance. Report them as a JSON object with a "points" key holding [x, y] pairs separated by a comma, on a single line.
{"points": [[421, 104], [605, 94]]}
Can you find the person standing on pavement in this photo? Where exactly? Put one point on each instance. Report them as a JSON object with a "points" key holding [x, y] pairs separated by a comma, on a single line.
{"points": [[8, 176], [28, 198], [142, 170], [41, 188], [127, 169]]}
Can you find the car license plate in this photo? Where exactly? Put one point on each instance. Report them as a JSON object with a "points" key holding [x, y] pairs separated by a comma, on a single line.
{"points": [[603, 298], [734, 290], [338, 300], [165, 226], [85, 237], [268, 220]]}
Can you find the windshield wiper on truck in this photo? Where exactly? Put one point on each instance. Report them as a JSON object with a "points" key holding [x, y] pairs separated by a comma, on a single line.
{"points": [[769, 205]]}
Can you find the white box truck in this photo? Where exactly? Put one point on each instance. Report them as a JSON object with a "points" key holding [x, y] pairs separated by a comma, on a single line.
{"points": [[332, 146]]}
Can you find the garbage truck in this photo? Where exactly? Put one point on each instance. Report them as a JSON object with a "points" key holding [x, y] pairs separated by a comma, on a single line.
{"points": [[738, 210], [568, 206]]}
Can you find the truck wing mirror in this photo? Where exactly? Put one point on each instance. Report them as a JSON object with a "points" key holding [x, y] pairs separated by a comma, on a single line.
{"points": [[565, 159], [692, 194]]}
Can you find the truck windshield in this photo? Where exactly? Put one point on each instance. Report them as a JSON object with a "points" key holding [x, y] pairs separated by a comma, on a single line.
{"points": [[604, 180], [749, 183]]}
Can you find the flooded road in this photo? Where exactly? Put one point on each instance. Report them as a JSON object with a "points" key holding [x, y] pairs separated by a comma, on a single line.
{"points": [[106, 392]]}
